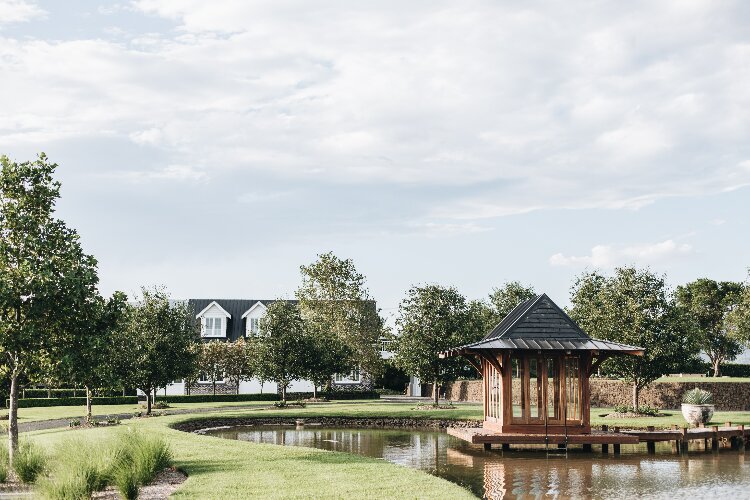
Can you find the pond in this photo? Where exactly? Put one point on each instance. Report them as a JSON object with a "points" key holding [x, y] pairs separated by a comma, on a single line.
{"points": [[514, 474]]}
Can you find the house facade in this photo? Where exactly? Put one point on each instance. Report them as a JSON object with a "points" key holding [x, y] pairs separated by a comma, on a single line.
{"points": [[228, 320]]}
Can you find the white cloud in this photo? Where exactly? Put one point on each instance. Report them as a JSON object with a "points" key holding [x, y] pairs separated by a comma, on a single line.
{"points": [[513, 107], [607, 256], [19, 11], [178, 173]]}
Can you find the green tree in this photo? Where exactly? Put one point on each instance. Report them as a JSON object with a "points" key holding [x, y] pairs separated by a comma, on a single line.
{"points": [[507, 297], [433, 319], [90, 357], [45, 276], [707, 303], [340, 313], [213, 361], [238, 362], [158, 337], [633, 307], [282, 346], [738, 319]]}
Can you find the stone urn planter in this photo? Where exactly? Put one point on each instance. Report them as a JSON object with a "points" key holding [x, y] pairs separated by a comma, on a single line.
{"points": [[697, 414]]}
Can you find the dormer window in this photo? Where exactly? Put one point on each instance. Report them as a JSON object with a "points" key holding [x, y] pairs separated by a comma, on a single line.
{"points": [[254, 326], [214, 327]]}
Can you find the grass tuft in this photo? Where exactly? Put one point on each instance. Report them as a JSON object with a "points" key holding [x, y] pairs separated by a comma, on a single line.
{"points": [[137, 460], [29, 462], [80, 468], [4, 464]]}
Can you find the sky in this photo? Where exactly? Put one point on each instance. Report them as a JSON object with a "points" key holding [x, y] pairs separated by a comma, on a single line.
{"points": [[214, 147]]}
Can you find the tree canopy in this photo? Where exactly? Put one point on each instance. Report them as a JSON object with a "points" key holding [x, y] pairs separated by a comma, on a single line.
{"points": [[708, 303], [159, 337], [45, 276], [282, 347], [336, 305], [432, 319], [632, 307]]}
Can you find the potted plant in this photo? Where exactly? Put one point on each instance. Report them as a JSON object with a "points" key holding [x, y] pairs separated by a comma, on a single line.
{"points": [[696, 407]]}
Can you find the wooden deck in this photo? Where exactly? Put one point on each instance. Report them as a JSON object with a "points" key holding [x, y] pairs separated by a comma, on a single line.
{"points": [[482, 436], [737, 437]]}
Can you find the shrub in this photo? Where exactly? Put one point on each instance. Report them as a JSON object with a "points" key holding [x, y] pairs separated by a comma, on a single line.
{"points": [[697, 396], [74, 422], [642, 410], [29, 461]]}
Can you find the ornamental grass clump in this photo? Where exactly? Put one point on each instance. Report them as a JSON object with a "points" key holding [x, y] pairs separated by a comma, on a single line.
{"points": [[137, 460], [29, 462], [81, 468], [4, 465], [697, 396]]}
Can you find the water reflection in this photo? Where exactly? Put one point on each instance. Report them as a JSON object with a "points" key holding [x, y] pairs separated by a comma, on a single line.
{"points": [[534, 474]]}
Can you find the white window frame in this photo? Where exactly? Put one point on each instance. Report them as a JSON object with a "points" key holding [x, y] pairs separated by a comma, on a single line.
{"points": [[212, 332], [205, 379], [253, 327], [354, 377]]}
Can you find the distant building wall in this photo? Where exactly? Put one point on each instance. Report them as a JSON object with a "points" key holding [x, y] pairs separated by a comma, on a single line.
{"points": [[727, 396]]}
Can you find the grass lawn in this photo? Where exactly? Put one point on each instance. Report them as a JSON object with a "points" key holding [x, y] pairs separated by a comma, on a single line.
{"points": [[670, 417], [226, 469], [704, 379]]}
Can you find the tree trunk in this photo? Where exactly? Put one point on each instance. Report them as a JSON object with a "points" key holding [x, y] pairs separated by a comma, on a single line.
{"points": [[237, 390], [123, 391], [88, 404], [283, 393], [13, 417], [315, 390], [214, 386], [148, 402], [49, 392], [717, 367], [636, 394], [436, 392]]}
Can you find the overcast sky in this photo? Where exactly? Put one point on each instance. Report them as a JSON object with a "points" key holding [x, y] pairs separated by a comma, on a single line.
{"points": [[213, 147]]}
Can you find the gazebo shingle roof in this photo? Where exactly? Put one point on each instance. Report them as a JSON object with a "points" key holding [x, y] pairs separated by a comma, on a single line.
{"points": [[539, 324]]}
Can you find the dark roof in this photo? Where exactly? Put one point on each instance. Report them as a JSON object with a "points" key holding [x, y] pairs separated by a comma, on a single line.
{"points": [[539, 324], [236, 308]]}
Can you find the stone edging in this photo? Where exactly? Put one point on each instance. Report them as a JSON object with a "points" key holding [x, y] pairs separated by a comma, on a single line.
{"points": [[360, 422]]}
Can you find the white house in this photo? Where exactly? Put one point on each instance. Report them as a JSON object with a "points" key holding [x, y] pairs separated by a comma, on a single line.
{"points": [[232, 319]]}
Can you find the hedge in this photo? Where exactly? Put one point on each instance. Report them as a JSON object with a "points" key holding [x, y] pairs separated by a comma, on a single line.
{"points": [[193, 398], [40, 402], [290, 396], [72, 393], [735, 370]]}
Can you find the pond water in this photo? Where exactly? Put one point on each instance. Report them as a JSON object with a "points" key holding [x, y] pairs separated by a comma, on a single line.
{"points": [[531, 473]]}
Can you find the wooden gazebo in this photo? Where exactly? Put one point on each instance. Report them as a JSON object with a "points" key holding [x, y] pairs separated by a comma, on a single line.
{"points": [[536, 365]]}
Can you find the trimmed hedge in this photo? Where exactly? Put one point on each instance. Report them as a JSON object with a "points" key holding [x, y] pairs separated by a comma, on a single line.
{"points": [[735, 370], [290, 396], [44, 402], [193, 398], [72, 393]]}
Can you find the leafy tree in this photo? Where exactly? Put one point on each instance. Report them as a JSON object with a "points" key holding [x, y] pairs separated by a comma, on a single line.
{"points": [[159, 338], [90, 357], [506, 298], [282, 346], [238, 362], [433, 319], [632, 307], [340, 313], [45, 276], [738, 319], [707, 303], [213, 360]]}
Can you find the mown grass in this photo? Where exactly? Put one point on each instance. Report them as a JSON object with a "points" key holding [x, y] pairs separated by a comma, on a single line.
{"points": [[668, 418], [727, 380], [226, 469]]}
